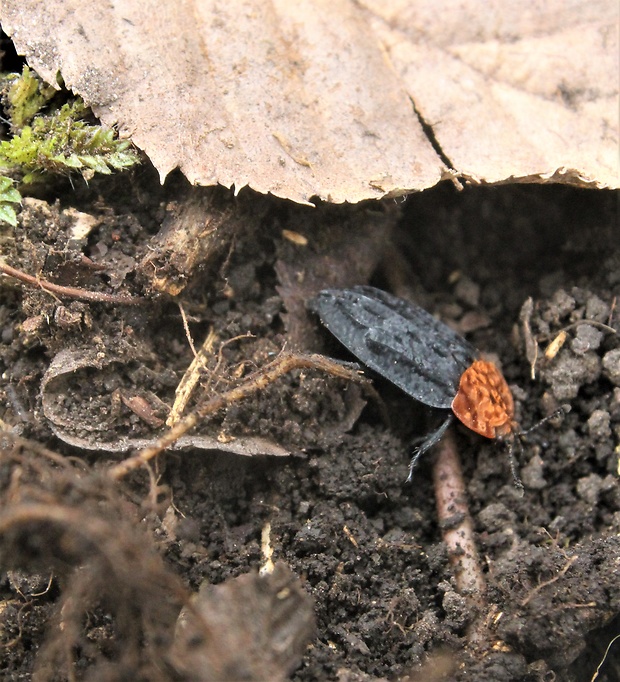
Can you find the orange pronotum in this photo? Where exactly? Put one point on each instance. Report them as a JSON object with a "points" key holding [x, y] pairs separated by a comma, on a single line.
{"points": [[484, 402]]}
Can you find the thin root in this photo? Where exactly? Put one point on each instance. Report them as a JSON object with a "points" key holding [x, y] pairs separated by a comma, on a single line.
{"points": [[555, 578]]}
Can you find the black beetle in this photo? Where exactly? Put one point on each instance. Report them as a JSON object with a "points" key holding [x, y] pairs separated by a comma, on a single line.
{"points": [[422, 356]]}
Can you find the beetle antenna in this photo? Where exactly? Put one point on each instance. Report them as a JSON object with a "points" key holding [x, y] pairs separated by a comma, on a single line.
{"points": [[431, 440], [560, 412]]}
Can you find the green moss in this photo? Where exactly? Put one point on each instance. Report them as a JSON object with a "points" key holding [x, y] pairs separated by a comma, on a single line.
{"points": [[49, 138], [23, 96], [8, 196]]}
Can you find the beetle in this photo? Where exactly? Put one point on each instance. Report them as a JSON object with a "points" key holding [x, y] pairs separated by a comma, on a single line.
{"points": [[423, 357]]}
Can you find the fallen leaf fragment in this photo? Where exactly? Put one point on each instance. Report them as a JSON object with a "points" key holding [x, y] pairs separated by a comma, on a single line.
{"points": [[254, 627], [525, 92], [89, 423], [340, 100]]}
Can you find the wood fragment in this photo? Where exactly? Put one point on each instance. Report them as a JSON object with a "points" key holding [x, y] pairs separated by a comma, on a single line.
{"points": [[531, 344], [190, 379]]}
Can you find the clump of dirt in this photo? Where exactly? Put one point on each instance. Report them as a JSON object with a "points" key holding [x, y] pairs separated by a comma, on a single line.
{"points": [[335, 506]]}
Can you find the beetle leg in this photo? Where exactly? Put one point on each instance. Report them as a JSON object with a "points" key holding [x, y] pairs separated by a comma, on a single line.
{"points": [[431, 440], [514, 467]]}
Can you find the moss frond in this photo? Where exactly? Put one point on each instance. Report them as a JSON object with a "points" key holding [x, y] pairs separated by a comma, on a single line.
{"points": [[23, 96], [53, 139], [8, 196]]}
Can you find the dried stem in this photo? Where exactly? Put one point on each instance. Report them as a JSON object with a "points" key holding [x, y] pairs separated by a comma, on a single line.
{"points": [[68, 292]]}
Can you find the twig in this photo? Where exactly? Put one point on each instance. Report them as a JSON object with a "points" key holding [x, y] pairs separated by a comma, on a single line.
{"points": [[257, 381], [68, 292], [591, 323], [531, 344], [188, 334]]}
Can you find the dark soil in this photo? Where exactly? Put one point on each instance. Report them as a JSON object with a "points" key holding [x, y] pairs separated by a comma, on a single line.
{"points": [[97, 571]]}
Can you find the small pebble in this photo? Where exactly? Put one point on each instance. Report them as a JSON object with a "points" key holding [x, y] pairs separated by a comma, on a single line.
{"points": [[599, 424], [587, 338]]}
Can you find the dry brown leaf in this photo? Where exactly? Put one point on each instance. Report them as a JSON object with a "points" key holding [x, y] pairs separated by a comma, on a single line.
{"points": [[319, 98], [252, 627], [90, 424], [522, 91]]}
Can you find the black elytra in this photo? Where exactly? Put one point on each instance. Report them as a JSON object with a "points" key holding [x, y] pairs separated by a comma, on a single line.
{"points": [[403, 343]]}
